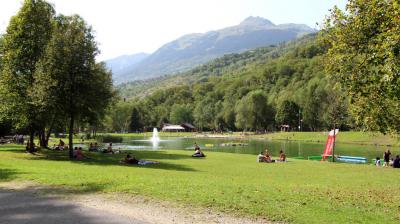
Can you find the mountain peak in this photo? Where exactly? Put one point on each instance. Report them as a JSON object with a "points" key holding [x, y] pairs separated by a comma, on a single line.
{"points": [[256, 21]]}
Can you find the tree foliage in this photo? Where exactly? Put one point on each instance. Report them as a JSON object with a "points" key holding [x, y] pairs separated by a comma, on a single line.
{"points": [[68, 80], [23, 45], [364, 56]]}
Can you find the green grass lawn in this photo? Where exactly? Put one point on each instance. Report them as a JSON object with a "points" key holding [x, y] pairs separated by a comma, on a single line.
{"points": [[352, 137], [299, 191]]}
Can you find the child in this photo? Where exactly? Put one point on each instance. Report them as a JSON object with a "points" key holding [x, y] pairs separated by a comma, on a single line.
{"points": [[378, 162]]}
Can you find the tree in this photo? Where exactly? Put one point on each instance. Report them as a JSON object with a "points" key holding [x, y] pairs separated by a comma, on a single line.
{"points": [[136, 120], [364, 56], [24, 42], [120, 117], [313, 98], [253, 111], [181, 114], [287, 113], [68, 77]]}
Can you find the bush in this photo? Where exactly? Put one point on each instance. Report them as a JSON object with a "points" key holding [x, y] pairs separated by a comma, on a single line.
{"points": [[109, 138]]}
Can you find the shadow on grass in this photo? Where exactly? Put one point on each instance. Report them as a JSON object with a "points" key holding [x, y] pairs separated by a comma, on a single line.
{"points": [[7, 174], [12, 148], [114, 160]]}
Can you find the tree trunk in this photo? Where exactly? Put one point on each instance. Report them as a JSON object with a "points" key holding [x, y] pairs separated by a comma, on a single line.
{"points": [[31, 139], [47, 137], [70, 136], [42, 140]]}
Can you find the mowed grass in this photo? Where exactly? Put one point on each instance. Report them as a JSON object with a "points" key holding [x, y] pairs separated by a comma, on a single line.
{"points": [[351, 137], [299, 191]]}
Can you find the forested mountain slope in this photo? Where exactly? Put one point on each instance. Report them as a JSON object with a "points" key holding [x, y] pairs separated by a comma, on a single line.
{"points": [[255, 90]]}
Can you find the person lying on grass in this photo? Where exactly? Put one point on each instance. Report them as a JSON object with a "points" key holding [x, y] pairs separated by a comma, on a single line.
{"points": [[132, 160]]}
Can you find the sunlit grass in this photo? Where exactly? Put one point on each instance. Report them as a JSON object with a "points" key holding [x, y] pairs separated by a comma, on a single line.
{"points": [[298, 191]]}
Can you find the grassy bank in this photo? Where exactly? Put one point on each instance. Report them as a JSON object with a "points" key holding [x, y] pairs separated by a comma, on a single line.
{"points": [[349, 137], [298, 191]]}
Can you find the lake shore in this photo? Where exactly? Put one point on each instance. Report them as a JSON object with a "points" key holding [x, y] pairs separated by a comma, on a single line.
{"points": [[350, 137]]}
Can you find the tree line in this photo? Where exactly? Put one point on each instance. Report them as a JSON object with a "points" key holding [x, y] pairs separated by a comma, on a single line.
{"points": [[282, 85], [49, 78]]}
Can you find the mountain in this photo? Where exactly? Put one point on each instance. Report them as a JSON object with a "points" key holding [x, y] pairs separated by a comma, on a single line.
{"points": [[229, 64], [124, 63], [196, 49]]}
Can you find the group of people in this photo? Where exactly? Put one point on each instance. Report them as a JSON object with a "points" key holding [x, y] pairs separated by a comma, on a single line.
{"points": [[18, 139], [78, 153], [93, 147], [265, 157], [388, 161]]}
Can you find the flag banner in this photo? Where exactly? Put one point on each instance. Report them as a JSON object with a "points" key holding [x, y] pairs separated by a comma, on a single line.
{"points": [[329, 143]]}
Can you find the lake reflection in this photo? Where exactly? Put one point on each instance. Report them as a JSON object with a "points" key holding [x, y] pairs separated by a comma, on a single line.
{"points": [[255, 146]]}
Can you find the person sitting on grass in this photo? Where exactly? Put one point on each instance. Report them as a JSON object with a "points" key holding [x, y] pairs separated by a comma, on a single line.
{"points": [[93, 148], [55, 147], [261, 157], [378, 162], [396, 162], [74, 152], [282, 156], [109, 149], [268, 158], [198, 153], [30, 147], [79, 154], [61, 145]]}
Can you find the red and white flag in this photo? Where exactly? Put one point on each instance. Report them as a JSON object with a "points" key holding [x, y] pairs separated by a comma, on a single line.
{"points": [[329, 143]]}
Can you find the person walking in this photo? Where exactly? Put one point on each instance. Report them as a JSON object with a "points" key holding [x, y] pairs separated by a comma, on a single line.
{"points": [[386, 158]]}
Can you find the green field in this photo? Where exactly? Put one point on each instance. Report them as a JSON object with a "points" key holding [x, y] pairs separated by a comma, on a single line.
{"points": [[299, 191]]}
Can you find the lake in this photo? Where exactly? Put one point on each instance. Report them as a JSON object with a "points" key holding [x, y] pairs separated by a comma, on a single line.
{"points": [[253, 146]]}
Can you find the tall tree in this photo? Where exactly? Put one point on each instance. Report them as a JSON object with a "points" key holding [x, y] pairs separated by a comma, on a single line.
{"points": [[287, 113], [25, 40], [120, 117], [364, 56], [68, 76], [181, 114], [253, 111], [136, 120]]}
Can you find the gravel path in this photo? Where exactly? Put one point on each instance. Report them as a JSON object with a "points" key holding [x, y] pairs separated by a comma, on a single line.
{"points": [[23, 203], [22, 207]]}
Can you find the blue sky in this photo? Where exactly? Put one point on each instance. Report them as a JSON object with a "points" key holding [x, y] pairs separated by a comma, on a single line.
{"points": [[132, 26]]}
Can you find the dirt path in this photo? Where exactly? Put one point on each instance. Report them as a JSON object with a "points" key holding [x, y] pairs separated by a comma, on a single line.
{"points": [[22, 203]]}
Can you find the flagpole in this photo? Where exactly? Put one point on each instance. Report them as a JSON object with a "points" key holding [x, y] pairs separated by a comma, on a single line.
{"points": [[334, 140]]}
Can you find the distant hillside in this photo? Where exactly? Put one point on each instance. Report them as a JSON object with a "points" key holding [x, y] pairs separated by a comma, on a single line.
{"points": [[230, 63], [195, 49], [260, 89], [121, 64]]}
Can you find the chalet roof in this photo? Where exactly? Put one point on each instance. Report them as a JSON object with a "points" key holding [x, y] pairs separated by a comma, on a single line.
{"points": [[188, 125], [173, 127]]}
